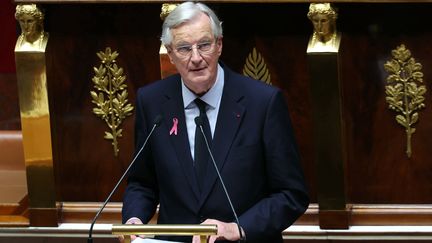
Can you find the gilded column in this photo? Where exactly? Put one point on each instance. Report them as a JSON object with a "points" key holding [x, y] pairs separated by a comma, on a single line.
{"points": [[35, 117], [323, 61]]}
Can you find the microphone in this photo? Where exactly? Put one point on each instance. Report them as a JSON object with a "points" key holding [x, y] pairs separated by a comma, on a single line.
{"points": [[199, 123], [156, 122]]}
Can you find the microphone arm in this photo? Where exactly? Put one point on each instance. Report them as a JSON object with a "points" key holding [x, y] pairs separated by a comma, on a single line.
{"points": [[198, 122], [156, 123]]}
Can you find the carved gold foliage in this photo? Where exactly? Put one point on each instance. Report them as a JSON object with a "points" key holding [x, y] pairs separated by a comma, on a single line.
{"points": [[110, 95], [256, 68], [404, 94]]}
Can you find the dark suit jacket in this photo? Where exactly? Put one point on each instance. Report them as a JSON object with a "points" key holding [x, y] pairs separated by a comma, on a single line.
{"points": [[254, 149]]}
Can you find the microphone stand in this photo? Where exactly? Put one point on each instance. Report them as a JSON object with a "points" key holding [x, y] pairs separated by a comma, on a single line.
{"points": [[198, 121], [157, 121]]}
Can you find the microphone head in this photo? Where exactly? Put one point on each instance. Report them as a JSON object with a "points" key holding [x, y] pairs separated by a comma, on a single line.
{"points": [[198, 121], [157, 120]]}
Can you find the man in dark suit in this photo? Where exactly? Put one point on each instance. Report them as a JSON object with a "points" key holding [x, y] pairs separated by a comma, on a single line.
{"points": [[247, 126]]}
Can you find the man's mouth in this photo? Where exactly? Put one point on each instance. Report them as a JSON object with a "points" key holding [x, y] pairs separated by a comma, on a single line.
{"points": [[197, 69]]}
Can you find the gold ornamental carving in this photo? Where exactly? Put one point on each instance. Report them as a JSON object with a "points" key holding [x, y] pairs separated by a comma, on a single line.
{"points": [[31, 74], [325, 37], [166, 9], [110, 96], [33, 38], [255, 67], [404, 92]]}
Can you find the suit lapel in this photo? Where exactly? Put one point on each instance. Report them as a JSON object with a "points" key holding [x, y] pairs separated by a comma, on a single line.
{"points": [[229, 119], [173, 108]]}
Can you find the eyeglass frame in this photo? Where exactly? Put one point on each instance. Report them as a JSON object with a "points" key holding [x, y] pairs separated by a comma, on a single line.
{"points": [[189, 48]]}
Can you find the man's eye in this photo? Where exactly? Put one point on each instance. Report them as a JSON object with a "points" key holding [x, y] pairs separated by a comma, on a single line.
{"points": [[204, 46], [184, 49]]}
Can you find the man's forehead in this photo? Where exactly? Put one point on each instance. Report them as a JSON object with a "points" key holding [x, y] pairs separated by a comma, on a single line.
{"points": [[179, 38], [194, 30]]}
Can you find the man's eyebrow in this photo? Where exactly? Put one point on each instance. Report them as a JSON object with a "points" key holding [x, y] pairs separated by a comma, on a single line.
{"points": [[205, 42], [182, 43]]}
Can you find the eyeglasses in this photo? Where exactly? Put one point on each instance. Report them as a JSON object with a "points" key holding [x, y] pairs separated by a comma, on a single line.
{"points": [[205, 47]]}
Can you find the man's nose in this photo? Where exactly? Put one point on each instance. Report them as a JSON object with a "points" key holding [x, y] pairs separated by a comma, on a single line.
{"points": [[195, 55]]}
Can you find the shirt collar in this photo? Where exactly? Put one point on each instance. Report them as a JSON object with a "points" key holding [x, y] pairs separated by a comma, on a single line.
{"points": [[212, 96]]}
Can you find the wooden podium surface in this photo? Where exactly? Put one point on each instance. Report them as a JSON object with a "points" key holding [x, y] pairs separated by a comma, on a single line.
{"points": [[75, 233]]}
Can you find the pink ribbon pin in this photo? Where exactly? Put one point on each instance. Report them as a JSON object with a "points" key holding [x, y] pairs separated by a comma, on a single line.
{"points": [[174, 127]]}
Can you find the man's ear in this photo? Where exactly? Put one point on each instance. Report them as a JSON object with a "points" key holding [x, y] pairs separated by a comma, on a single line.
{"points": [[171, 60], [219, 45], [170, 53]]}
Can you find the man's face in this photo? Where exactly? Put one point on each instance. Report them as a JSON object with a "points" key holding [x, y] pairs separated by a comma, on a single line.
{"points": [[195, 53], [322, 24]]}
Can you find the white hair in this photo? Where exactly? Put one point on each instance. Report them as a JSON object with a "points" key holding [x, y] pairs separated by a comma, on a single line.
{"points": [[184, 13]]}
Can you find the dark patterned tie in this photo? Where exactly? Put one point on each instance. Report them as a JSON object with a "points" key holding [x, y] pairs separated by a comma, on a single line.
{"points": [[201, 152]]}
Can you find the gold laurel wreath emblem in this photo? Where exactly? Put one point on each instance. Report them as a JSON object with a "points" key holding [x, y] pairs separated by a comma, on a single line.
{"points": [[404, 95], [256, 68], [110, 96]]}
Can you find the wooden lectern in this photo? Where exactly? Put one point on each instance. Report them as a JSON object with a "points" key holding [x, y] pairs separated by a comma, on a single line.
{"points": [[164, 229]]}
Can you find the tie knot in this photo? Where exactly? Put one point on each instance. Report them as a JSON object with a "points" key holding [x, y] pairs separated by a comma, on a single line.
{"points": [[201, 105]]}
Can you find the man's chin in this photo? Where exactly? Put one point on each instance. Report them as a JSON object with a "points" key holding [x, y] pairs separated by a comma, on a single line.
{"points": [[200, 79]]}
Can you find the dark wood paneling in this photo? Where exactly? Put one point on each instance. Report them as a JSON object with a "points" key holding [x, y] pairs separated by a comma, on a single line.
{"points": [[391, 214], [86, 168], [283, 47], [378, 168], [9, 36], [9, 103], [9, 106]]}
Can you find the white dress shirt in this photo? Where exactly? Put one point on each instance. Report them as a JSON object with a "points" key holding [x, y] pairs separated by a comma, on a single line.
{"points": [[212, 98]]}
